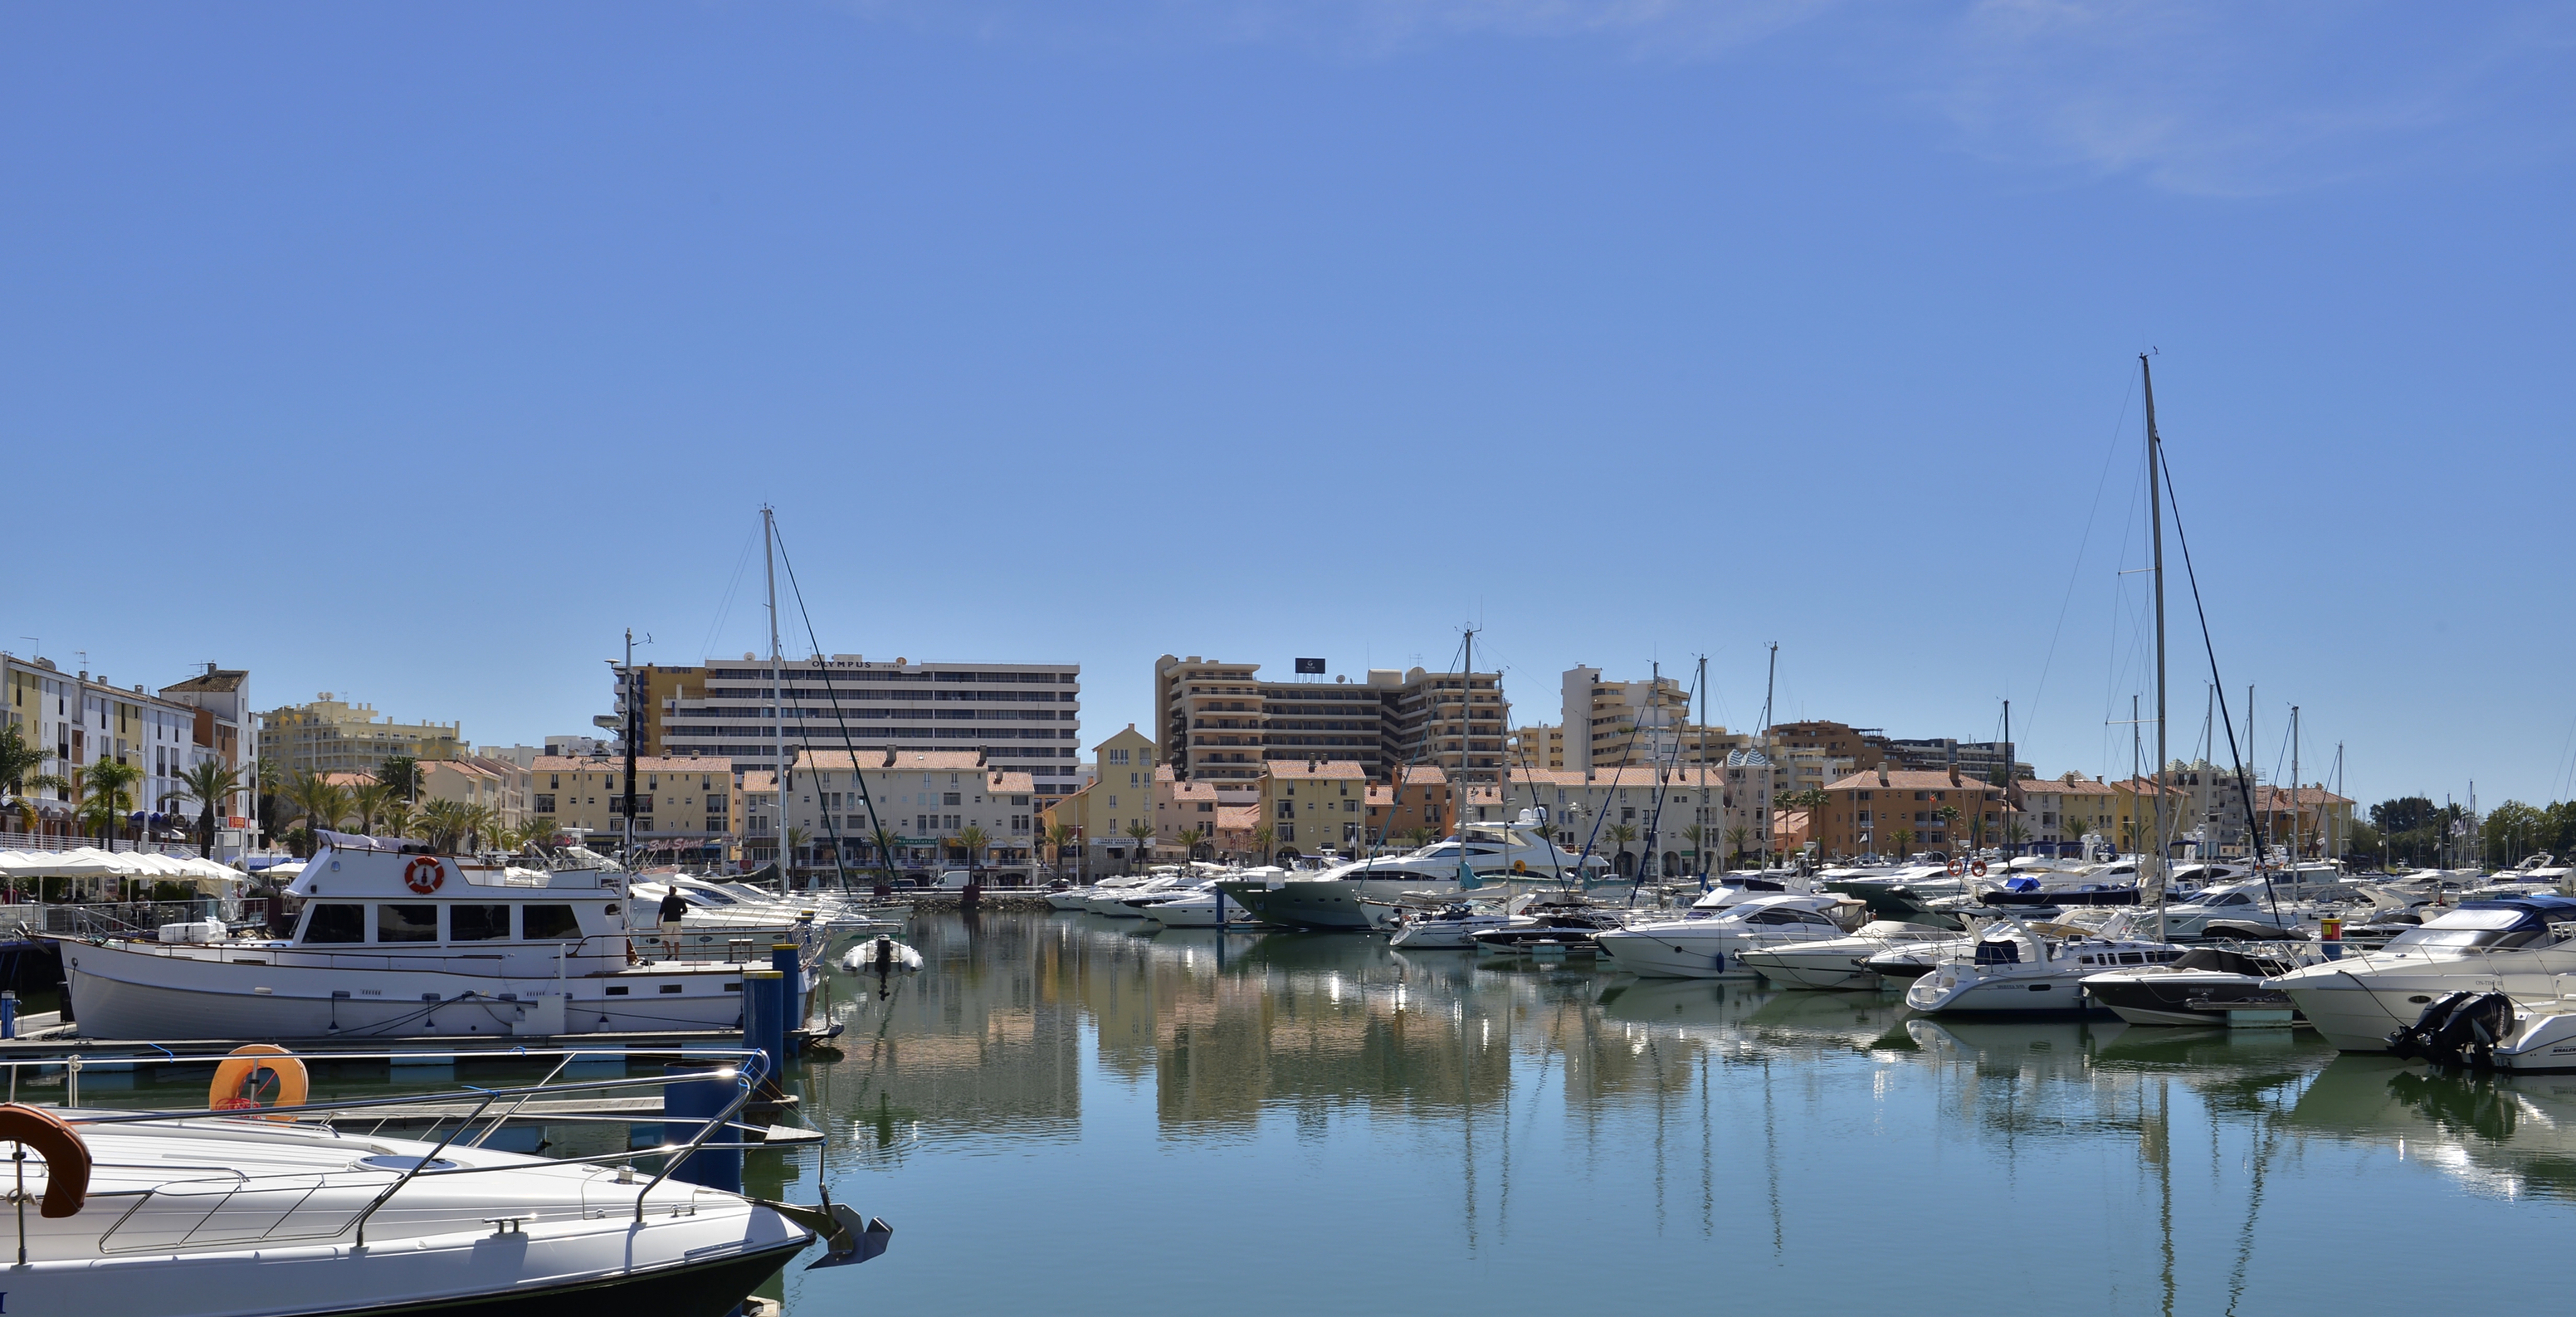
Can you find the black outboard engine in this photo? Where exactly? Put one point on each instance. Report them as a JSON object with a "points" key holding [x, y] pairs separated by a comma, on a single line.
{"points": [[2461, 1029]]}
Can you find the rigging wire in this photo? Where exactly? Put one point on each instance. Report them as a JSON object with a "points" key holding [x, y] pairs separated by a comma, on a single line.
{"points": [[876, 826], [724, 605], [2244, 789], [2075, 573]]}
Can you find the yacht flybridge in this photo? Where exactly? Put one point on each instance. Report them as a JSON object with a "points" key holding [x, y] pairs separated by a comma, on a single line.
{"points": [[1360, 894], [392, 943]]}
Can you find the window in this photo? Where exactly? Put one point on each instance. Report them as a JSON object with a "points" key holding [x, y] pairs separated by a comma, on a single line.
{"points": [[549, 923], [545, 804], [477, 923], [407, 923], [336, 923], [948, 798]]}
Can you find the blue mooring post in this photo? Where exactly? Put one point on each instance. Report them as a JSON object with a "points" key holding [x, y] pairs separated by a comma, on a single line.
{"points": [[9, 1013], [765, 994], [689, 1104], [784, 959]]}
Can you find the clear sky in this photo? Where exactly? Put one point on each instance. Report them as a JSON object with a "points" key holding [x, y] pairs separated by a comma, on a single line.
{"points": [[412, 352]]}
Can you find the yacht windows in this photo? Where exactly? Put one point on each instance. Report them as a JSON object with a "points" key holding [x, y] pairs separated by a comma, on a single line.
{"points": [[477, 923], [336, 923], [407, 923], [540, 923]]}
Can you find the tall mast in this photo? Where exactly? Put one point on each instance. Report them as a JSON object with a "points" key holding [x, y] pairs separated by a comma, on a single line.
{"points": [[1709, 824], [2156, 533], [2294, 784], [634, 721], [777, 697]]}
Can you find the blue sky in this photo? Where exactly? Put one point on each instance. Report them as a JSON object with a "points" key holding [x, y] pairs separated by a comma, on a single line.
{"points": [[412, 352]]}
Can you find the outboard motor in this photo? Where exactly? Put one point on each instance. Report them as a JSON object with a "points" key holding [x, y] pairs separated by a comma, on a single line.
{"points": [[2460, 1030], [2415, 1040]]}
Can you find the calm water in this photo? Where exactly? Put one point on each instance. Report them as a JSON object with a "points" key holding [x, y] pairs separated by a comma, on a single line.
{"points": [[1066, 1114]]}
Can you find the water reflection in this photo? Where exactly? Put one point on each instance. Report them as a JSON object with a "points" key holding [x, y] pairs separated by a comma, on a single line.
{"points": [[1427, 1116]]}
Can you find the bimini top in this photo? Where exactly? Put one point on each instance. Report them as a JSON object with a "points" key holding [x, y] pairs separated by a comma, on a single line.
{"points": [[2510, 922], [393, 875]]}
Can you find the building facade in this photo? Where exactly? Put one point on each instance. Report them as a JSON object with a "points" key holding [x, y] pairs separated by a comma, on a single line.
{"points": [[1116, 795], [684, 804], [497, 784], [330, 735], [929, 804], [81, 719], [1021, 717], [1220, 721], [1900, 810]]}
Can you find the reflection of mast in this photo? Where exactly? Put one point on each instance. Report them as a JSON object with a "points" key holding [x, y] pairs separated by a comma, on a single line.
{"points": [[2160, 1149]]}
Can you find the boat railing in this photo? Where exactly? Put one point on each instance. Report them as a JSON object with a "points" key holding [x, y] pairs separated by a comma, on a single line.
{"points": [[228, 1207]]}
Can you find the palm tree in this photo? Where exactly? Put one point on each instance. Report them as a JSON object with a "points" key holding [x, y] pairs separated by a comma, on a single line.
{"points": [[19, 762], [400, 775], [1263, 838], [1143, 832], [2015, 834], [446, 822], [1949, 816], [209, 784], [480, 820], [885, 840], [368, 801], [1902, 839], [1695, 834], [1058, 837], [400, 820], [1191, 839], [323, 804], [973, 840], [797, 836], [109, 791], [1619, 835], [1419, 835]]}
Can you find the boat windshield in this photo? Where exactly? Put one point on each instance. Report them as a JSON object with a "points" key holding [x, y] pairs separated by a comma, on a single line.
{"points": [[1437, 851], [2474, 927]]}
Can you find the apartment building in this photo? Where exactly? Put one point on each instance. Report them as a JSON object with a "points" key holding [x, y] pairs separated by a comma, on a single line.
{"points": [[1611, 810], [925, 800], [684, 805], [83, 718], [1538, 746], [1315, 805], [498, 784], [329, 735], [1118, 794], [2061, 811], [1023, 717], [1220, 721], [1899, 810]]}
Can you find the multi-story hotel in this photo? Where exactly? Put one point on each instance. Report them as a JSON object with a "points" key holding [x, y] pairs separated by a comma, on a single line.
{"points": [[1021, 717], [80, 719], [334, 736], [1222, 722]]}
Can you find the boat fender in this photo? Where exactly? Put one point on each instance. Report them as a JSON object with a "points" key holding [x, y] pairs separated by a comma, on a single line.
{"points": [[66, 1157], [1979, 868], [1958, 870], [246, 1069]]}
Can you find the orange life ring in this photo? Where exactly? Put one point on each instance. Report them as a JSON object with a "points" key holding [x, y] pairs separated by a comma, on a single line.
{"points": [[244, 1068], [66, 1157], [424, 874], [1957, 869], [1979, 868]]}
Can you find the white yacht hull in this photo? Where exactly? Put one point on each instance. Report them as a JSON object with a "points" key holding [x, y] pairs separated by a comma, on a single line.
{"points": [[1794, 967], [2034, 991], [130, 994], [1358, 904], [1651, 954]]}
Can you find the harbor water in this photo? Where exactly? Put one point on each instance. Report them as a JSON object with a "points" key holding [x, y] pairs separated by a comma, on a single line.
{"points": [[1068, 1114]]}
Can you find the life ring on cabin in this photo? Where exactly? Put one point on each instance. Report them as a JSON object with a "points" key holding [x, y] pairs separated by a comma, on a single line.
{"points": [[1979, 868], [1958, 870], [424, 874], [66, 1157], [1520, 866], [245, 1069]]}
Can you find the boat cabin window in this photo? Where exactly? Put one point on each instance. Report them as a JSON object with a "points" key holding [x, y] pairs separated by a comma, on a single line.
{"points": [[2466, 927], [477, 923], [336, 923], [543, 923], [407, 923]]}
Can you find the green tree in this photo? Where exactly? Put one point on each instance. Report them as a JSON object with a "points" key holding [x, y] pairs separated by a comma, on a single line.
{"points": [[1619, 835], [320, 803], [1420, 836], [107, 797], [1191, 839], [1735, 838], [1059, 839], [21, 773], [974, 841], [1901, 840], [1949, 816], [1142, 832], [447, 822], [400, 775], [209, 784], [1264, 839], [369, 800]]}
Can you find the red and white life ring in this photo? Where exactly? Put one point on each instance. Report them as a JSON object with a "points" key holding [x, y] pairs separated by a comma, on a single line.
{"points": [[1979, 868], [424, 874], [1957, 869]]}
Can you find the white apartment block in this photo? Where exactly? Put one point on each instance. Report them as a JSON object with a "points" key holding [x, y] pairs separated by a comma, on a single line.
{"points": [[82, 718], [1021, 717]]}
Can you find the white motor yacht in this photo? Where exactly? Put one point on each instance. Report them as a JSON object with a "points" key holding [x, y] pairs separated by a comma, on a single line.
{"points": [[2197, 989], [398, 944], [1710, 947], [2016, 967], [1119, 902], [1196, 910], [170, 1215], [1358, 894], [1843, 962], [2519, 947]]}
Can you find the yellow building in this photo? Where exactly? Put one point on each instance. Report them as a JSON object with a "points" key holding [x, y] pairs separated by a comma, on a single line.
{"points": [[335, 736], [1316, 805], [497, 784], [1119, 795], [684, 807]]}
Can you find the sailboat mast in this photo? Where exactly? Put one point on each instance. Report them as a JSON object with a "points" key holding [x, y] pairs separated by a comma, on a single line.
{"points": [[2156, 534], [634, 721], [777, 697], [2294, 784]]}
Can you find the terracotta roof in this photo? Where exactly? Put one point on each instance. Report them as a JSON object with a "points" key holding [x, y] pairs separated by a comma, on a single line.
{"points": [[643, 764], [1246, 817], [1330, 769], [759, 779], [1009, 784], [2270, 798], [946, 761], [1633, 775], [2051, 786], [1191, 790], [1425, 774], [1911, 779]]}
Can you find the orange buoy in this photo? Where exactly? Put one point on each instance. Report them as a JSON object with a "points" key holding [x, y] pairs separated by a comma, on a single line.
{"points": [[241, 1079], [66, 1157]]}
